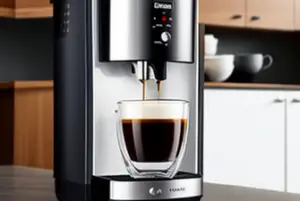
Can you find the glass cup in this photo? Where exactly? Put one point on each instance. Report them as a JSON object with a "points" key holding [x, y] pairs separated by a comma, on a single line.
{"points": [[152, 136]]}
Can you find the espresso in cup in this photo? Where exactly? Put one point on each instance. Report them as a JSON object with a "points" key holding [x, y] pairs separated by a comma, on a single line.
{"points": [[152, 136], [153, 140]]}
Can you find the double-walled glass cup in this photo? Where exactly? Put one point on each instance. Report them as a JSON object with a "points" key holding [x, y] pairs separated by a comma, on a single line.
{"points": [[152, 136]]}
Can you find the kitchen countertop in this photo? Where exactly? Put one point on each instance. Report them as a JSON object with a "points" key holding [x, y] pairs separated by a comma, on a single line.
{"points": [[28, 184]]}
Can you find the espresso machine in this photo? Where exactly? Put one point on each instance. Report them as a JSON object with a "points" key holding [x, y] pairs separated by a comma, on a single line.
{"points": [[104, 51]]}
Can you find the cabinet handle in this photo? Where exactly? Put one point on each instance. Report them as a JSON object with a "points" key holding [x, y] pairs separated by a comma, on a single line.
{"points": [[255, 18], [295, 100], [236, 17], [279, 100]]}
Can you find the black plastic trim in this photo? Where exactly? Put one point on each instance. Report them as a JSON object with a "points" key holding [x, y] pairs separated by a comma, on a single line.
{"points": [[70, 191], [89, 89], [104, 36], [73, 96], [201, 98]]}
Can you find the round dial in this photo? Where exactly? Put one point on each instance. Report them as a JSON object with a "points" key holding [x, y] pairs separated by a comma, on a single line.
{"points": [[165, 36]]}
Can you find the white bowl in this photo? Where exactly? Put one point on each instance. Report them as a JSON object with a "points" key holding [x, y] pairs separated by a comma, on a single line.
{"points": [[219, 68], [211, 44]]}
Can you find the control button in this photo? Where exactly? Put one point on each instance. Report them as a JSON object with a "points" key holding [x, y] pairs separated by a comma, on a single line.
{"points": [[168, 25], [170, 19], [165, 36], [159, 25]]}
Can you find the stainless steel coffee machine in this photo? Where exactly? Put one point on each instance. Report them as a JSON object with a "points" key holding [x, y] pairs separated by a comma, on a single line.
{"points": [[104, 51]]}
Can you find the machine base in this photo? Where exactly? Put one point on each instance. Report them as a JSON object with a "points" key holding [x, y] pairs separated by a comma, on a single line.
{"points": [[184, 186], [70, 191]]}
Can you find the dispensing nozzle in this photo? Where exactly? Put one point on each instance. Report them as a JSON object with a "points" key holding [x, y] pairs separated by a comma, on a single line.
{"points": [[143, 71], [150, 71]]}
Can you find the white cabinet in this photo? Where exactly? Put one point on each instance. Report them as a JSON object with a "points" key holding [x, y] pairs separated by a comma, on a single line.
{"points": [[221, 158], [293, 142], [243, 138]]}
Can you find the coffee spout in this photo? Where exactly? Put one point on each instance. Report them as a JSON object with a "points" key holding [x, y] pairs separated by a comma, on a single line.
{"points": [[145, 71], [159, 68]]}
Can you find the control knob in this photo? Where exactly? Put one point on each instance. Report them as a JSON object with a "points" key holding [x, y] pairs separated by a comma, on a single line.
{"points": [[165, 36]]}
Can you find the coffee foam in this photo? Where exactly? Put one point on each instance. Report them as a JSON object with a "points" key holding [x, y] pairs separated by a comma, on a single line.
{"points": [[154, 110]]}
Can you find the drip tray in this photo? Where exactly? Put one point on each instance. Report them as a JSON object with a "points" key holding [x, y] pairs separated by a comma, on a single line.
{"points": [[123, 187]]}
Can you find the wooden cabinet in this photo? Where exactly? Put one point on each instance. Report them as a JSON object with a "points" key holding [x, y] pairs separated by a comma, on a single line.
{"points": [[293, 143], [27, 124], [263, 14], [225, 13], [270, 14], [6, 126], [25, 8], [243, 139], [297, 14]]}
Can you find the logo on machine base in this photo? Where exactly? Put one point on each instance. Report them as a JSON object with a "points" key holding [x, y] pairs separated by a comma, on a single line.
{"points": [[162, 6], [155, 192]]}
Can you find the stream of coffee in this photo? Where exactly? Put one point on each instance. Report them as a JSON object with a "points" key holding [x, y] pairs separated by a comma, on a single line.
{"points": [[158, 87], [144, 89]]}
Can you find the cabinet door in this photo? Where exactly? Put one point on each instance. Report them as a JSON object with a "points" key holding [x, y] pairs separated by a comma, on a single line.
{"points": [[297, 14], [293, 143], [243, 139], [33, 126], [270, 14], [225, 13]]}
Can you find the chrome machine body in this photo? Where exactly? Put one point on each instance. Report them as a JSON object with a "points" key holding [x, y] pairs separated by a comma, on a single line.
{"points": [[103, 50]]}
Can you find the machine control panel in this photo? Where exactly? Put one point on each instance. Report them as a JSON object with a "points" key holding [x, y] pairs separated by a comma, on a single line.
{"points": [[162, 22], [63, 15]]}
